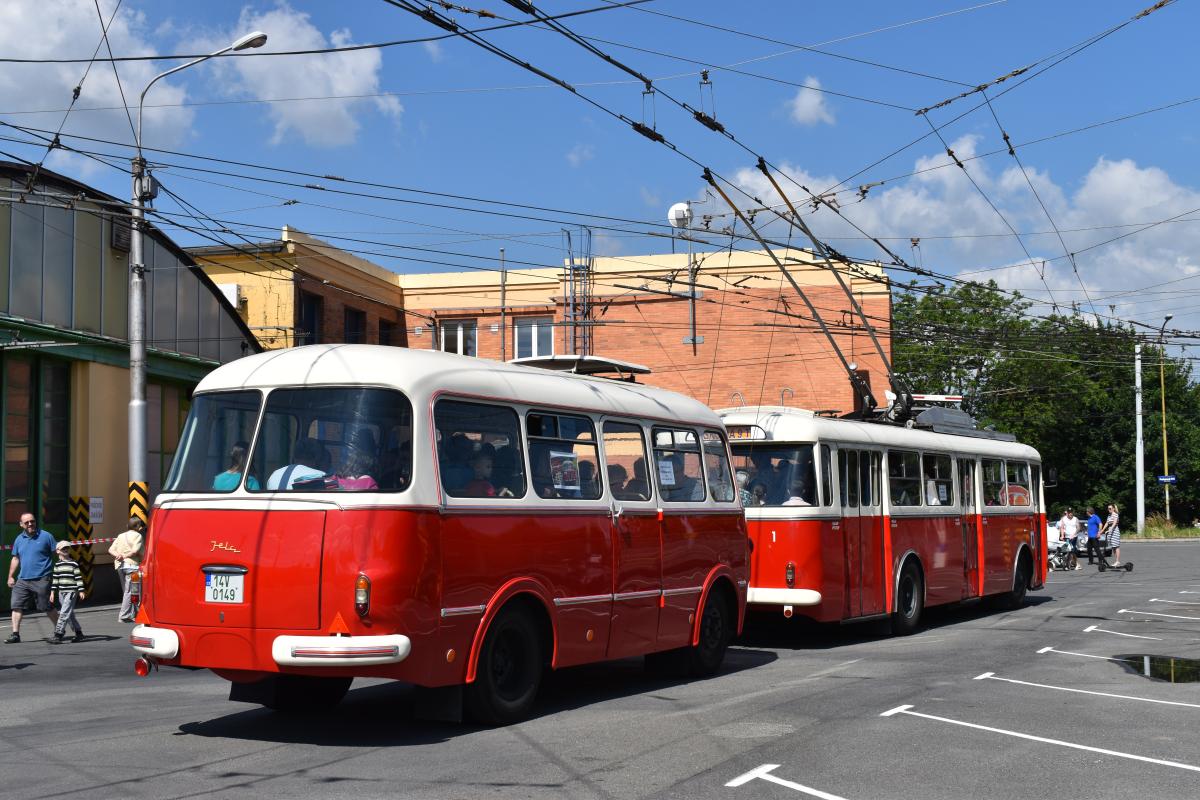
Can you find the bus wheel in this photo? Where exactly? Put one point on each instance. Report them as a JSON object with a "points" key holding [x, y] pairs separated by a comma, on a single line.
{"points": [[910, 601], [296, 694], [509, 671], [1016, 598], [716, 629]]}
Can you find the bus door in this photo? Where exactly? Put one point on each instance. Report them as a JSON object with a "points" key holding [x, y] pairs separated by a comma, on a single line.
{"points": [[872, 590], [637, 544], [970, 526], [848, 475]]}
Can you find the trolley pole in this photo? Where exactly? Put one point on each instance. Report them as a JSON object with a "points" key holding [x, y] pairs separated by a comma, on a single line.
{"points": [[503, 317], [1140, 457]]}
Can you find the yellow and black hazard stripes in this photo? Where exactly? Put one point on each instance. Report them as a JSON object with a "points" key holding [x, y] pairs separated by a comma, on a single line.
{"points": [[79, 529], [139, 501]]}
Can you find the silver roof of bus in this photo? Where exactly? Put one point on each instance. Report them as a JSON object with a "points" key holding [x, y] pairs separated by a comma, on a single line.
{"points": [[422, 373], [786, 424]]}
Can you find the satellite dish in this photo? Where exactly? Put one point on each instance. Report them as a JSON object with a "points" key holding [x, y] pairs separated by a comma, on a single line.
{"points": [[680, 215]]}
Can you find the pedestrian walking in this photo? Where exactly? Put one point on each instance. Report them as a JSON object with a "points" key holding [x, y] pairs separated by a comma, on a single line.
{"points": [[1112, 530], [66, 581], [1068, 529], [126, 551], [1093, 534], [29, 574]]}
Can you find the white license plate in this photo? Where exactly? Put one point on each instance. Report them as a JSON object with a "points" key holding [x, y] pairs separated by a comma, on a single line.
{"points": [[223, 588]]}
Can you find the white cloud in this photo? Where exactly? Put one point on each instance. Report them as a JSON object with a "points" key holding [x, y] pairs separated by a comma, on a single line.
{"points": [[651, 199], [434, 51], [808, 107], [961, 234], [580, 153], [319, 123], [71, 28]]}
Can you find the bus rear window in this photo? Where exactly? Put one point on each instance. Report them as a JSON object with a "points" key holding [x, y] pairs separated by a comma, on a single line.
{"points": [[333, 439], [215, 442], [775, 475]]}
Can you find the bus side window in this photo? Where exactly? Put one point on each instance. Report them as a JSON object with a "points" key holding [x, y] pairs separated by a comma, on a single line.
{"points": [[1018, 483], [479, 450], [716, 462], [677, 465], [848, 471], [904, 477], [563, 459], [625, 460], [939, 480], [866, 489], [826, 476], [994, 490]]}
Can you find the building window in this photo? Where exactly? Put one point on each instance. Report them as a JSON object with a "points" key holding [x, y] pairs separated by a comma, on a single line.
{"points": [[533, 336], [311, 309], [355, 331], [387, 333], [458, 336]]}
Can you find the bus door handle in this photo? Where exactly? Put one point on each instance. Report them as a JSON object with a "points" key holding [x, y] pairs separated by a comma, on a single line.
{"points": [[617, 511]]}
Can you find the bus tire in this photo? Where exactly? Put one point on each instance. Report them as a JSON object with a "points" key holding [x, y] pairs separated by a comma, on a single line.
{"points": [[716, 630], [509, 671], [910, 600], [1016, 598], [299, 694]]}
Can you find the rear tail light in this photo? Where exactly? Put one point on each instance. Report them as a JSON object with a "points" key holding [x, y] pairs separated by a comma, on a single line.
{"points": [[362, 595], [790, 574], [135, 588], [142, 667]]}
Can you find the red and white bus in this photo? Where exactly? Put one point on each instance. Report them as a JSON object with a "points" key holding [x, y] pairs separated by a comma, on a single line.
{"points": [[857, 520], [338, 511]]}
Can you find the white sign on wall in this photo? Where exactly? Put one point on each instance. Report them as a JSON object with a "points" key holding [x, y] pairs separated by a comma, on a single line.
{"points": [[96, 510]]}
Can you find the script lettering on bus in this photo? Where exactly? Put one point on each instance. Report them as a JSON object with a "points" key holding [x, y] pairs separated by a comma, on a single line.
{"points": [[223, 546]]}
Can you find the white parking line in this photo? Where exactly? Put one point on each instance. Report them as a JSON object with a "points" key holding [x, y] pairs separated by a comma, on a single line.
{"points": [[1156, 614], [1017, 734], [991, 676], [1081, 655], [1185, 591], [1175, 602], [763, 773], [1098, 629]]}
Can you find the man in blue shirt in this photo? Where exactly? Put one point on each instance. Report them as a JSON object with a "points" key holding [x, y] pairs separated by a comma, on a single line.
{"points": [[1093, 530], [29, 574]]}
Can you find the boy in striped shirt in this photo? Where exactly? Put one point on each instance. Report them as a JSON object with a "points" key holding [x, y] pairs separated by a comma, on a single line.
{"points": [[67, 582]]}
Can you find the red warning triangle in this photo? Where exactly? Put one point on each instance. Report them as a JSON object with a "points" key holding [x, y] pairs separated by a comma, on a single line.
{"points": [[339, 625]]}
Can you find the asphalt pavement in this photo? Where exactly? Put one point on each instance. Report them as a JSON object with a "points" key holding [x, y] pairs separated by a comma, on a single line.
{"points": [[1048, 700]]}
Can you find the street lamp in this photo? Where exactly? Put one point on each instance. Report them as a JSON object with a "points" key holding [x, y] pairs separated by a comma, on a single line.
{"points": [[143, 190], [1162, 390]]}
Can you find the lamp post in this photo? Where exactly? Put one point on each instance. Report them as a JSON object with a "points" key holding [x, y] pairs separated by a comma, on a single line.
{"points": [[1162, 391], [143, 190]]}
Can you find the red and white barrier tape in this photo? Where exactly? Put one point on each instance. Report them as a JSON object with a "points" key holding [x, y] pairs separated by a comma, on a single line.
{"points": [[73, 542]]}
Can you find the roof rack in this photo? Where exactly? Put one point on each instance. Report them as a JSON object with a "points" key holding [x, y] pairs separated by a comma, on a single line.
{"points": [[957, 422], [586, 365]]}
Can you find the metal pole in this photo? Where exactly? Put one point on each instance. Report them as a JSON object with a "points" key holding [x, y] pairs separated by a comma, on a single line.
{"points": [[692, 296], [503, 318], [1162, 390], [137, 331], [1140, 457]]}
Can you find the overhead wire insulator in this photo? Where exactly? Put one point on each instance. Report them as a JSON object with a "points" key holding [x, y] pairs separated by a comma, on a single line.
{"points": [[648, 132], [708, 122]]}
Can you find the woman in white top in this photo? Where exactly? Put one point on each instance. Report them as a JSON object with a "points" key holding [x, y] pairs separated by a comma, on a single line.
{"points": [[126, 551]]}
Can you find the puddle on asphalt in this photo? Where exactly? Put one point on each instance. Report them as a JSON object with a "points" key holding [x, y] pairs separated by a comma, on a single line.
{"points": [[1164, 668]]}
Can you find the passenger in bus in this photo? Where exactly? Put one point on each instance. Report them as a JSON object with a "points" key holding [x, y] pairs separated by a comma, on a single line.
{"points": [[542, 476], [304, 453], [758, 495], [686, 488], [506, 471], [481, 485], [931, 493], [354, 474], [743, 480], [395, 470], [617, 475], [589, 482], [455, 466], [800, 493], [229, 480], [638, 488]]}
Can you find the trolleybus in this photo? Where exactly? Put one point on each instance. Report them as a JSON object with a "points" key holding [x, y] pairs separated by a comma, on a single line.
{"points": [[855, 520], [337, 511]]}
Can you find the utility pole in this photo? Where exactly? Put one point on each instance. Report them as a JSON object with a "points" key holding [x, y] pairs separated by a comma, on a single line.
{"points": [[503, 318], [1162, 390], [1139, 469]]}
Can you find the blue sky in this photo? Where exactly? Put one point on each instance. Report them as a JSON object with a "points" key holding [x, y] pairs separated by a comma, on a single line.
{"points": [[449, 117]]}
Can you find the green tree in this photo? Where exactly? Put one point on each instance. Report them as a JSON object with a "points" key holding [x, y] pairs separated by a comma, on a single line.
{"points": [[1061, 383]]}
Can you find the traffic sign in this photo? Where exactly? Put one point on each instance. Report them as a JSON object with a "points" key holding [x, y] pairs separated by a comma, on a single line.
{"points": [[1166, 479]]}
